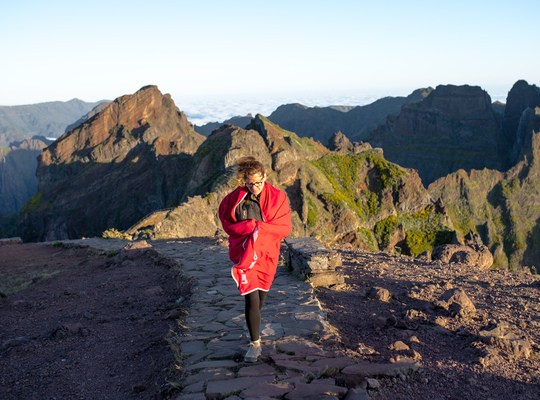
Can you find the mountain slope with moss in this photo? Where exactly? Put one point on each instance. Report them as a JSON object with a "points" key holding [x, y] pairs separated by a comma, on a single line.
{"points": [[357, 198], [503, 208]]}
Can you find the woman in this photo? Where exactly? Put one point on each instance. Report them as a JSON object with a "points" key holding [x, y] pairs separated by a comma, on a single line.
{"points": [[256, 216]]}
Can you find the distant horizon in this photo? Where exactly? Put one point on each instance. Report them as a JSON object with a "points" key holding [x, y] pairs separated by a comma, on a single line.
{"points": [[202, 109]]}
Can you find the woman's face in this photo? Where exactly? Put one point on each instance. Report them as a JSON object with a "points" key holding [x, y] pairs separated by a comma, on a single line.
{"points": [[255, 183]]}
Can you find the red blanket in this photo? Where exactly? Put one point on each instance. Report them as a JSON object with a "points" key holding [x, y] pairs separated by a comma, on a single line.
{"points": [[254, 245]]}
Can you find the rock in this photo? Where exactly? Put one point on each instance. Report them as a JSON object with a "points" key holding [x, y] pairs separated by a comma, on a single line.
{"points": [[309, 259], [366, 350], [414, 339], [508, 339], [474, 256], [490, 356], [366, 369], [457, 303], [13, 240], [379, 293], [340, 143], [398, 346], [373, 383], [441, 321], [137, 245]]}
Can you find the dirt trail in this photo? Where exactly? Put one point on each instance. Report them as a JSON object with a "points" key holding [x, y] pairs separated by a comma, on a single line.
{"points": [[91, 324]]}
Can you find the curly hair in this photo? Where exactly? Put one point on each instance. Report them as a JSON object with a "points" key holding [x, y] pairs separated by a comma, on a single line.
{"points": [[247, 166]]}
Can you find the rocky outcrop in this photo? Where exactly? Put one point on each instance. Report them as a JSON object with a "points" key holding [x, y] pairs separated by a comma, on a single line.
{"points": [[500, 206], [212, 175], [18, 180], [454, 127], [477, 256], [309, 260], [521, 97], [334, 197], [341, 144], [126, 161], [357, 123]]}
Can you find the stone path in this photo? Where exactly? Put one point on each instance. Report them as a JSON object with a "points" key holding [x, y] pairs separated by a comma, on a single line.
{"points": [[214, 340]]}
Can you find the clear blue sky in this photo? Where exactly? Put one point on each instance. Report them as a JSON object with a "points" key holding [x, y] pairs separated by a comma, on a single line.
{"points": [[58, 50]]}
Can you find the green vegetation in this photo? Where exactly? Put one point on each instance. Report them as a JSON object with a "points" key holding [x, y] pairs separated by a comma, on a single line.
{"points": [[10, 284], [312, 214], [367, 237], [113, 233], [358, 180], [384, 229], [32, 204], [423, 231]]}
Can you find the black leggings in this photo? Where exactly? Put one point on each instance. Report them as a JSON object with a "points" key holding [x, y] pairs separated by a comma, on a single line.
{"points": [[254, 303]]}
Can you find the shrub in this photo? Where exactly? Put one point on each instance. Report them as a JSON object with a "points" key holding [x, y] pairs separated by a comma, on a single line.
{"points": [[384, 229], [113, 233]]}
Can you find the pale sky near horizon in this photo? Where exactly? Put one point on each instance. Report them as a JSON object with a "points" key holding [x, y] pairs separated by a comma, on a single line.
{"points": [[210, 49]]}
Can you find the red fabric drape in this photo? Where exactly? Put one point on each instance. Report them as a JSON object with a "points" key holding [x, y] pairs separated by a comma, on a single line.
{"points": [[254, 245]]}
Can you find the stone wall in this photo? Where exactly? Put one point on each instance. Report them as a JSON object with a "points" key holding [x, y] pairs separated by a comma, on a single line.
{"points": [[309, 260]]}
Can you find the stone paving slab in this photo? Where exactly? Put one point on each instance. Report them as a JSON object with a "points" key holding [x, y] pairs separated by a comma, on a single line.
{"points": [[214, 336]]}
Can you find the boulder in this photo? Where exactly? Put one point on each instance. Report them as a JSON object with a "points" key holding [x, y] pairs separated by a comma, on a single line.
{"points": [[310, 260], [507, 338], [457, 303], [474, 255]]}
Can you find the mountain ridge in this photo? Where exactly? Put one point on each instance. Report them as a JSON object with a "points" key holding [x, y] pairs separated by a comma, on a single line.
{"points": [[48, 119]]}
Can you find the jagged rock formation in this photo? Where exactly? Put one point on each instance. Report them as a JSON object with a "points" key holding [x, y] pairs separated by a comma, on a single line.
{"points": [[18, 180], [123, 163], [453, 127], [212, 175], [357, 123], [501, 207], [44, 119], [341, 144], [357, 198], [521, 96]]}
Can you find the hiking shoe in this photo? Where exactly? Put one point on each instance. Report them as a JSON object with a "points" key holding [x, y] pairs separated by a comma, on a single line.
{"points": [[254, 351]]}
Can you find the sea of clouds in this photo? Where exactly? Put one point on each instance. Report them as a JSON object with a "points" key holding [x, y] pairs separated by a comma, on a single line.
{"points": [[218, 109]]}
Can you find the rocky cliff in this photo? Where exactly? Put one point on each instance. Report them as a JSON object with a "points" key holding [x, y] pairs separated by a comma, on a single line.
{"points": [[454, 127], [357, 123], [521, 96], [121, 164], [44, 119], [354, 197], [18, 180], [501, 207]]}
